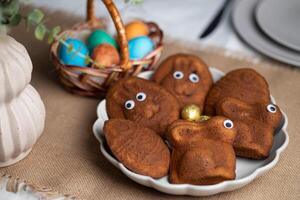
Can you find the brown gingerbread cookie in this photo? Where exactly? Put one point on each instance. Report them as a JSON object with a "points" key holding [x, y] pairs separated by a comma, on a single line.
{"points": [[255, 124], [186, 76], [140, 149], [244, 84], [202, 152], [143, 102]]}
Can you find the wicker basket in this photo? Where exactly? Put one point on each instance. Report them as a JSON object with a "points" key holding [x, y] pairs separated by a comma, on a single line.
{"points": [[94, 82]]}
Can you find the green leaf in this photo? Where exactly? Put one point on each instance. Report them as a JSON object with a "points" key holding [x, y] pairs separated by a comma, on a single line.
{"points": [[50, 39], [8, 10], [15, 20], [87, 60], [40, 31], [11, 8], [55, 31], [35, 17], [53, 34], [134, 2], [70, 48], [137, 2]]}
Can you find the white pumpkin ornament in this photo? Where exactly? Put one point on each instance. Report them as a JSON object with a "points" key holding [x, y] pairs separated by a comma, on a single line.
{"points": [[22, 112]]}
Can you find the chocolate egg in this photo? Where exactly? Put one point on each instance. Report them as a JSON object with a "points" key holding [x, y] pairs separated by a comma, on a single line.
{"points": [[100, 37], [136, 29], [76, 56], [106, 55], [139, 47]]}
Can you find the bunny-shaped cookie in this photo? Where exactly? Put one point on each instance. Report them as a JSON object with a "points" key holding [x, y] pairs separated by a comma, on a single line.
{"points": [[202, 152], [143, 102], [185, 76], [255, 124], [244, 84]]}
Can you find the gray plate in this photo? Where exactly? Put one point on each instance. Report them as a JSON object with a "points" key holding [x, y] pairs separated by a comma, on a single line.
{"points": [[281, 21], [246, 27]]}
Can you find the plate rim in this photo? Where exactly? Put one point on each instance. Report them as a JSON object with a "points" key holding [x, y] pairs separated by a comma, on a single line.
{"points": [[189, 189], [257, 12], [291, 60]]}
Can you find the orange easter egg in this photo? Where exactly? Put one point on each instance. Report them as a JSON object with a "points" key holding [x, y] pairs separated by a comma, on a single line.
{"points": [[106, 55], [136, 29]]}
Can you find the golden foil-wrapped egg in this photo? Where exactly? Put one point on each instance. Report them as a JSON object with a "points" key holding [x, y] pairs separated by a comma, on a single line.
{"points": [[204, 118], [191, 112]]}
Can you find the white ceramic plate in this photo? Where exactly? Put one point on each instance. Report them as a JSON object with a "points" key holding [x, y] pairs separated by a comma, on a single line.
{"points": [[246, 170], [281, 21], [245, 25]]}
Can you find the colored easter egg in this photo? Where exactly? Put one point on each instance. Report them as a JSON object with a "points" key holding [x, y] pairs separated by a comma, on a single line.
{"points": [[136, 29], [139, 47], [73, 57], [99, 37], [106, 55]]}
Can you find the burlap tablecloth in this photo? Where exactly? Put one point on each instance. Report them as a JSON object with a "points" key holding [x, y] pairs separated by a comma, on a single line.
{"points": [[67, 156]]}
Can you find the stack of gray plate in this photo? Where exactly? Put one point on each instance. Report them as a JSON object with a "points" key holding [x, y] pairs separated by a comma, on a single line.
{"points": [[272, 27]]}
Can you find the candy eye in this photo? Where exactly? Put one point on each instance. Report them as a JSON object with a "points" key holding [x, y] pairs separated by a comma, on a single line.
{"points": [[178, 75], [141, 96], [194, 78], [228, 124], [271, 108], [129, 104]]}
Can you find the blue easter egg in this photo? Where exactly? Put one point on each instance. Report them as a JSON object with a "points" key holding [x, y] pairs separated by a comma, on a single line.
{"points": [[139, 47], [71, 57]]}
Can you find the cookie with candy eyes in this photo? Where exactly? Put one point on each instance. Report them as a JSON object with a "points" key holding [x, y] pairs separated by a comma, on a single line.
{"points": [[144, 102], [255, 124], [244, 84], [202, 153], [186, 76]]}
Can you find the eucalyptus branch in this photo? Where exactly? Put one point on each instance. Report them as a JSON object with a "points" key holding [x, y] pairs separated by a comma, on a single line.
{"points": [[10, 16], [36, 18]]}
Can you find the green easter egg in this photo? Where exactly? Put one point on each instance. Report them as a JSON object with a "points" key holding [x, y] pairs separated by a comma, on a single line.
{"points": [[99, 37]]}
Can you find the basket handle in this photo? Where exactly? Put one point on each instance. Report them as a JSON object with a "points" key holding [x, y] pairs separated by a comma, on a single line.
{"points": [[115, 15]]}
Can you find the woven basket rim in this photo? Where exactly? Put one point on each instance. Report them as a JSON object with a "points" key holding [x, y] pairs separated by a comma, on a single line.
{"points": [[83, 26]]}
